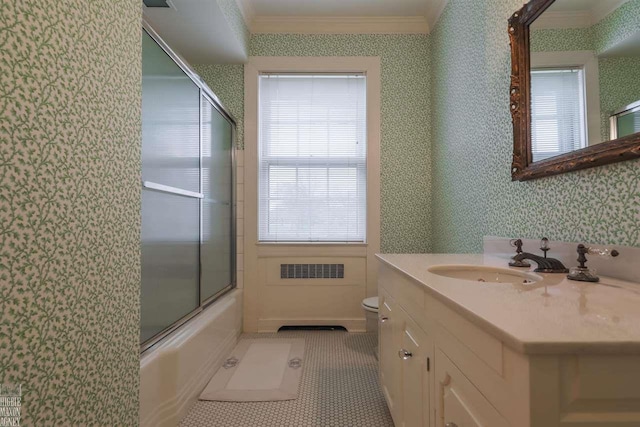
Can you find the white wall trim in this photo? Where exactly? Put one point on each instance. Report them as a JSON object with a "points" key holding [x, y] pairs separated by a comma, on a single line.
{"points": [[588, 60], [263, 24], [339, 25], [272, 325], [256, 292]]}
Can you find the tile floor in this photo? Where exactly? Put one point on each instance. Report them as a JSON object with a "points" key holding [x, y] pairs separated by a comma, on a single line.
{"points": [[339, 388]]}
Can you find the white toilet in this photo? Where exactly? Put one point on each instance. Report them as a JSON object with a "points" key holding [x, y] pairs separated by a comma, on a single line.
{"points": [[370, 306]]}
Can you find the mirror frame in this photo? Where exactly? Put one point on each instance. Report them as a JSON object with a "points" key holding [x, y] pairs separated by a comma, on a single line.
{"points": [[523, 168]]}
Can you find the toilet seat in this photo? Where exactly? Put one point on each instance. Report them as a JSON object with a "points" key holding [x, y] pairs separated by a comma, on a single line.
{"points": [[370, 304]]}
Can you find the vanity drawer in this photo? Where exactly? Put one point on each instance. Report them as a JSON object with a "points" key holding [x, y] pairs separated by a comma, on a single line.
{"points": [[406, 292]]}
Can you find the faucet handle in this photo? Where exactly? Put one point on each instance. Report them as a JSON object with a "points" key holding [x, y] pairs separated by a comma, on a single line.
{"points": [[517, 243], [604, 252], [544, 246], [584, 274]]}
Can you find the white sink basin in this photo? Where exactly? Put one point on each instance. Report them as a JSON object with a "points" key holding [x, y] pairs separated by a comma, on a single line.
{"points": [[478, 273]]}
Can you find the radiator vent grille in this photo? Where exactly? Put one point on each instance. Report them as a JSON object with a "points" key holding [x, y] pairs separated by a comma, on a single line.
{"points": [[312, 271]]}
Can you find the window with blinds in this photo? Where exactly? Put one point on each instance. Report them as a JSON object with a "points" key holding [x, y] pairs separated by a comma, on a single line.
{"points": [[558, 112], [626, 123], [312, 158]]}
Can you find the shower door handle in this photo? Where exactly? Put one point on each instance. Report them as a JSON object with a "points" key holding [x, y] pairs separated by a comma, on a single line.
{"points": [[171, 190]]}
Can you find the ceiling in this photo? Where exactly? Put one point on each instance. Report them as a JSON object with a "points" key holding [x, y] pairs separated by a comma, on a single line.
{"points": [[198, 31], [575, 5], [576, 13]]}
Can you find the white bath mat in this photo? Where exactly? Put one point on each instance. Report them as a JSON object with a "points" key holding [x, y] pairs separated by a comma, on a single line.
{"points": [[259, 370]]}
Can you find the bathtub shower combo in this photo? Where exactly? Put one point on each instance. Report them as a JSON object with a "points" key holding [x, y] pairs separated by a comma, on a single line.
{"points": [[187, 193]]}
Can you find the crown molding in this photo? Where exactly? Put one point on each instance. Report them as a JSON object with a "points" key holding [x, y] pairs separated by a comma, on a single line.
{"points": [[342, 24], [339, 25]]}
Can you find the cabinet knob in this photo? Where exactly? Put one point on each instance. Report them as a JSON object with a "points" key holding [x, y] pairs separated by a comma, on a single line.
{"points": [[404, 355], [384, 319], [451, 425]]}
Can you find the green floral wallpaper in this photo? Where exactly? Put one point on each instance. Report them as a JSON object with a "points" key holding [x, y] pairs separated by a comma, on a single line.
{"points": [[619, 86], [406, 171], [227, 82], [473, 194], [619, 25], [70, 209], [611, 30], [447, 137], [561, 40]]}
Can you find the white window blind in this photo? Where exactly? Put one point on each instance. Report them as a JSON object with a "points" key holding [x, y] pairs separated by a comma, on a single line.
{"points": [[312, 158], [558, 112]]}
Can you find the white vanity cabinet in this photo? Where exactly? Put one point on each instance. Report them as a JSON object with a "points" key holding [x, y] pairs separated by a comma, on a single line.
{"points": [[390, 329], [405, 366], [416, 356], [460, 403], [441, 368]]}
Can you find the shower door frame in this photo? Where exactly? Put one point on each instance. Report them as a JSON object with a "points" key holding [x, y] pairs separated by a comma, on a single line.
{"points": [[206, 94]]}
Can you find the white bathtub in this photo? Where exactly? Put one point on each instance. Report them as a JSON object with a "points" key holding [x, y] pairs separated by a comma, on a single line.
{"points": [[174, 372]]}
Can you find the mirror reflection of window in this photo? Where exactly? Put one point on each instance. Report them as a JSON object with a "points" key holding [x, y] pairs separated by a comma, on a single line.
{"points": [[626, 122], [558, 112]]}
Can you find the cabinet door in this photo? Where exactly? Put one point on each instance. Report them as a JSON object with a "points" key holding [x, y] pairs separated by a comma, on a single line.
{"points": [[391, 324], [416, 355], [458, 401]]}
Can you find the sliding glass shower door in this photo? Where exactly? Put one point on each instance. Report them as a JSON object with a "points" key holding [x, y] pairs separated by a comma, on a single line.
{"points": [[217, 220], [187, 204]]}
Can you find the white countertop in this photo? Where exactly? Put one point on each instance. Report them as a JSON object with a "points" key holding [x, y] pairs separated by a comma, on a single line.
{"points": [[555, 315]]}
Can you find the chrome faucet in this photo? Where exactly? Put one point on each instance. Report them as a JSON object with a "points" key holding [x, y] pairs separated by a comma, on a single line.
{"points": [[545, 265]]}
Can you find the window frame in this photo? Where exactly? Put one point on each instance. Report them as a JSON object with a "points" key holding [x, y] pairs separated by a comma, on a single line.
{"points": [[588, 61], [371, 68], [584, 124], [357, 162]]}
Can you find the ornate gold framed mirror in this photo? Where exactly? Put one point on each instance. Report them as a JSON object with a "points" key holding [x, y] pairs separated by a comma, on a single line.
{"points": [[575, 85]]}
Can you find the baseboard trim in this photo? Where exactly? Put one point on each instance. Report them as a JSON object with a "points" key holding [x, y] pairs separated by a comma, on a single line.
{"points": [[352, 324]]}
